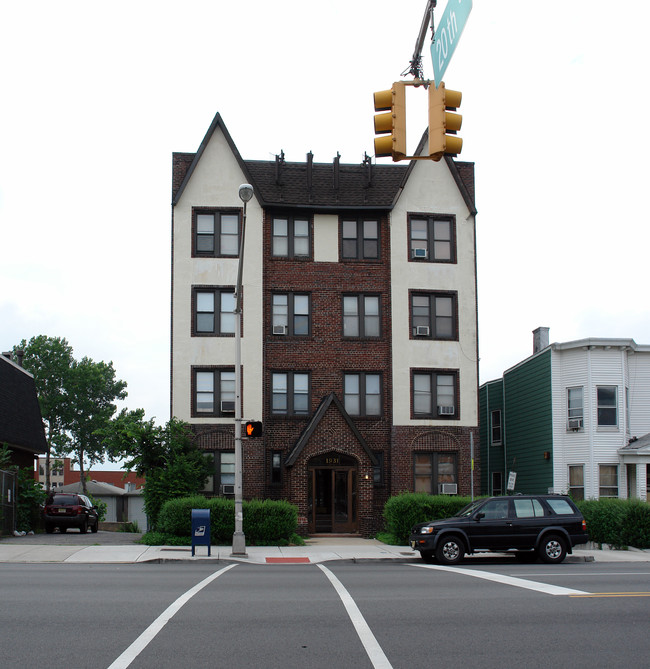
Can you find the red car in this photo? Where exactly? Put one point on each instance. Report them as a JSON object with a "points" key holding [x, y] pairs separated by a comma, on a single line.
{"points": [[67, 509]]}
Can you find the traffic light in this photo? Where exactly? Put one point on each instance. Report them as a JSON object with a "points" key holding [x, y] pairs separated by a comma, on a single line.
{"points": [[441, 121], [392, 122], [253, 429]]}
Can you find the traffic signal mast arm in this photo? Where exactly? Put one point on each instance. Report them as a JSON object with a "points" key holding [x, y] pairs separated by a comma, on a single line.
{"points": [[415, 67]]}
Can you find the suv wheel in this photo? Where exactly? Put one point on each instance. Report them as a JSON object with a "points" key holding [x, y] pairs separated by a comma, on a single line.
{"points": [[450, 550], [83, 528], [552, 549], [95, 527]]}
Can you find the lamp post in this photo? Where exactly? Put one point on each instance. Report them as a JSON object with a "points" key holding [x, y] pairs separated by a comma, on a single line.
{"points": [[238, 538]]}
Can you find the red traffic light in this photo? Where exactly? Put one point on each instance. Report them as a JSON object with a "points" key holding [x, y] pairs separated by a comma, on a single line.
{"points": [[253, 429]]}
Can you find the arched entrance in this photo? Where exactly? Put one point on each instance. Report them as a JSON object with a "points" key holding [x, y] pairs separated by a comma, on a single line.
{"points": [[332, 494]]}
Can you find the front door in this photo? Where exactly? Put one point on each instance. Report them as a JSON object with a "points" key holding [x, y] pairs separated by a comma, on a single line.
{"points": [[332, 494]]}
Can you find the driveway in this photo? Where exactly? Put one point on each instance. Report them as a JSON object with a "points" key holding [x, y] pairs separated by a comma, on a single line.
{"points": [[74, 538]]}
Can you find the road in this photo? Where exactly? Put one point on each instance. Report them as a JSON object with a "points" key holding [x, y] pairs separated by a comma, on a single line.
{"points": [[491, 613]]}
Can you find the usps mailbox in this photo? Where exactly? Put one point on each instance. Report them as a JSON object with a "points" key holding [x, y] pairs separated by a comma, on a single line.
{"points": [[200, 529]]}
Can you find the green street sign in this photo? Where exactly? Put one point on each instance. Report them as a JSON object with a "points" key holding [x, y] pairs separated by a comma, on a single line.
{"points": [[447, 35]]}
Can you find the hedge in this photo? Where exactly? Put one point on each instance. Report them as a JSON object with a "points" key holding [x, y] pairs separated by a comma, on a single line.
{"points": [[617, 522], [266, 522]]}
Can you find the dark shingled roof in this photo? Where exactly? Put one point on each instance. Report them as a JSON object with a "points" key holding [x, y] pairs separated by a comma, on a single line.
{"points": [[21, 423], [319, 186]]}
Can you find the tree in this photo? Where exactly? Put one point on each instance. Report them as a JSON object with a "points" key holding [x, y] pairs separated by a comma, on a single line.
{"points": [[50, 360], [166, 456]]}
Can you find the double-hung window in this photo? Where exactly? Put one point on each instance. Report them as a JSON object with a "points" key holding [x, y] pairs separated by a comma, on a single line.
{"points": [[213, 392], [577, 481], [362, 394], [434, 394], [222, 480], [213, 311], [575, 410], [361, 316], [432, 238], [291, 314], [215, 232], [359, 239], [435, 473], [607, 406], [290, 393], [495, 426], [608, 480], [434, 315], [290, 238]]}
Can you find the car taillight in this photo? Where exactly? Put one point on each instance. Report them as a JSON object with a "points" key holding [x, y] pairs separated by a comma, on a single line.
{"points": [[584, 524]]}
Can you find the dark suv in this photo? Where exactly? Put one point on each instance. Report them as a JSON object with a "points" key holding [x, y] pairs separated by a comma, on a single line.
{"points": [[66, 509], [545, 526]]}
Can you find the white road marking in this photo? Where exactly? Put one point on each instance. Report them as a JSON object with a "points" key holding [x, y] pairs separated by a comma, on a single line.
{"points": [[370, 644], [125, 659], [507, 580]]}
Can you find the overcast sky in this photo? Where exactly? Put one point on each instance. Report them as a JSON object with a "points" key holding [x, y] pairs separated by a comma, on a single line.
{"points": [[97, 95]]}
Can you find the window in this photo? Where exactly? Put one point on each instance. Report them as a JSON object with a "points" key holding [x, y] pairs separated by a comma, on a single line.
{"points": [[432, 470], [361, 316], [432, 239], [575, 411], [607, 406], [290, 393], [434, 315], [213, 311], [276, 467], [608, 481], [359, 240], [496, 426], [214, 392], [222, 481], [291, 314], [362, 394], [378, 469], [497, 483], [216, 233], [290, 237], [434, 394], [577, 481], [528, 508]]}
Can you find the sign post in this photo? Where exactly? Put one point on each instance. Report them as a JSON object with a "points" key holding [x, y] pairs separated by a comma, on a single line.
{"points": [[447, 35]]}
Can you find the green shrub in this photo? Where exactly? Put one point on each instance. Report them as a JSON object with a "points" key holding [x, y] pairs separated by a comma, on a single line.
{"points": [[636, 526], [403, 511], [604, 520]]}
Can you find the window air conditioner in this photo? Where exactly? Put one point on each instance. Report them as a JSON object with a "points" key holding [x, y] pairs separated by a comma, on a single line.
{"points": [[279, 329], [419, 253], [422, 330], [228, 489], [447, 488], [446, 411], [227, 406], [575, 423]]}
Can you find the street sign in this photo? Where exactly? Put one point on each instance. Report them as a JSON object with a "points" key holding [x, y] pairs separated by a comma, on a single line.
{"points": [[447, 35]]}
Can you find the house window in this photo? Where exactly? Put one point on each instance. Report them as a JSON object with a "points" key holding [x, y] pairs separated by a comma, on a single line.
{"points": [[359, 239], [215, 232], [607, 406], [432, 471], [290, 393], [434, 315], [497, 483], [577, 481], [495, 423], [378, 469], [608, 481], [213, 392], [222, 481], [213, 311], [290, 237], [361, 316], [291, 314], [276, 467], [434, 394], [432, 239], [362, 394], [575, 411]]}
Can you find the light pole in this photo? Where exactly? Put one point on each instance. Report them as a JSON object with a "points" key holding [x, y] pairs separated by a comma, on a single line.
{"points": [[238, 538]]}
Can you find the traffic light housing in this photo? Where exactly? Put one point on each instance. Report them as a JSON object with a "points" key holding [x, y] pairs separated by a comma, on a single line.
{"points": [[442, 121], [253, 429], [392, 124]]}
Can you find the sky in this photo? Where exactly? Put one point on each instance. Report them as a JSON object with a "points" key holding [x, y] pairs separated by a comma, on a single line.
{"points": [[96, 96]]}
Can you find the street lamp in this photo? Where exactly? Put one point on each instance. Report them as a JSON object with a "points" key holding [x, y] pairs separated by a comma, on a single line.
{"points": [[238, 538]]}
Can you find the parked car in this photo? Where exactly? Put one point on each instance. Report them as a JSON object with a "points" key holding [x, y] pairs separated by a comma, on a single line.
{"points": [[545, 526], [66, 509]]}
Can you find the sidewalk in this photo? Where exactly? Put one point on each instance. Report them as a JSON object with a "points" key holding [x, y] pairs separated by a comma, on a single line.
{"points": [[317, 550]]}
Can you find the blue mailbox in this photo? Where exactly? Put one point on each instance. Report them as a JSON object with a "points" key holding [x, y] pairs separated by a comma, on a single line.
{"points": [[200, 529]]}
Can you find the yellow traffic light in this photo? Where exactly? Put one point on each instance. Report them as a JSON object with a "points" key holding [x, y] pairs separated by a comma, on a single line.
{"points": [[441, 121], [392, 122]]}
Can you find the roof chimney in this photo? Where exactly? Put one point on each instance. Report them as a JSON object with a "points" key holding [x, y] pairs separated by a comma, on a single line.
{"points": [[540, 339]]}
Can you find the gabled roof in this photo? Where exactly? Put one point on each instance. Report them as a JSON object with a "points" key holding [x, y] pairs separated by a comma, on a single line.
{"points": [[21, 423], [325, 404], [319, 186], [94, 488], [640, 446]]}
